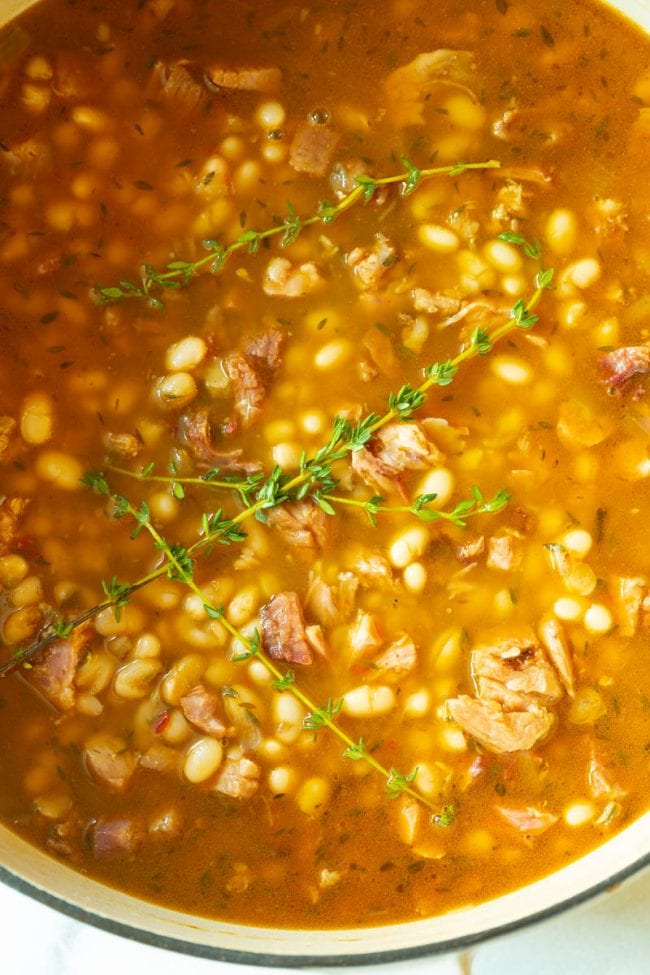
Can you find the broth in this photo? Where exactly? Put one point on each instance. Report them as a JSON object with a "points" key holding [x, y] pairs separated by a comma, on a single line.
{"points": [[493, 670]]}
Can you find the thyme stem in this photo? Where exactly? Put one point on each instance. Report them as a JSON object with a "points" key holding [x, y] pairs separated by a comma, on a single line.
{"points": [[178, 568], [345, 439], [181, 272]]}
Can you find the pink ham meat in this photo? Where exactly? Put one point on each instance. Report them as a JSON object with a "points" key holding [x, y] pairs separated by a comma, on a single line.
{"points": [[302, 524], [266, 80], [514, 671], [515, 684], [312, 149], [529, 820], [283, 630], [11, 512], [110, 762], [203, 709], [621, 364], [195, 433], [238, 778], [53, 673], [396, 448], [498, 730], [251, 373], [116, 837]]}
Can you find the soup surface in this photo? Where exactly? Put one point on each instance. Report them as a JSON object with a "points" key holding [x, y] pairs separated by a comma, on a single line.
{"points": [[288, 641]]}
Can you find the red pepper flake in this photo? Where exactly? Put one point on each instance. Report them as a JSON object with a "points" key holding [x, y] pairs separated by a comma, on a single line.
{"points": [[160, 722]]}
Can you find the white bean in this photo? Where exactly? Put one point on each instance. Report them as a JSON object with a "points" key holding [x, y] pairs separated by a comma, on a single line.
{"points": [[62, 470], [577, 541], [579, 813], [332, 355], [437, 238], [598, 619], [512, 370], [281, 780], [369, 701], [408, 545], [415, 577], [288, 714], [441, 482], [176, 390], [133, 679], [312, 795], [36, 420], [186, 354], [562, 231], [202, 760]]}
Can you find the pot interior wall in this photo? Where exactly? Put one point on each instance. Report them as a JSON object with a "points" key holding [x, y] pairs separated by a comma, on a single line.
{"points": [[35, 873]]}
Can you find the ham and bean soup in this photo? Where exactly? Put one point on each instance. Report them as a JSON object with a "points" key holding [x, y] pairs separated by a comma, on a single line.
{"points": [[325, 447]]}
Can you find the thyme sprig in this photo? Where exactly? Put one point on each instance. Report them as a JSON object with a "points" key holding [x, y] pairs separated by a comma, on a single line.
{"points": [[179, 566], [315, 473], [476, 505], [458, 515], [179, 273]]}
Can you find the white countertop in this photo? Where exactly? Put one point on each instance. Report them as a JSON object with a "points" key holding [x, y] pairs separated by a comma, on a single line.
{"points": [[610, 936]]}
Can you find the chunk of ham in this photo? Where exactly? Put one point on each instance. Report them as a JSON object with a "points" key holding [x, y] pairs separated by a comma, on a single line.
{"points": [[203, 709], [513, 670], [498, 730], [395, 662], [123, 444], [471, 550], [628, 593], [363, 636], [511, 206], [252, 372], [28, 159], [11, 513], [380, 349], [554, 638], [75, 75], [409, 87], [53, 672], [316, 639], [110, 761], [373, 571], [266, 80], [195, 432], [434, 302], [7, 429], [600, 780], [302, 524], [528, 820], [266, 349], [312, 148], [505, 551], [396, 448], [286, 280], [117, 837], [332, 604], [621, 364], [369, 265], [238, 778], [249, 387], [283, 630], [64, 838], [180, 88]]}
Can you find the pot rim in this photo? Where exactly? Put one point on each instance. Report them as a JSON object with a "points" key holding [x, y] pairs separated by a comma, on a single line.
{"points": [[638, 12]]}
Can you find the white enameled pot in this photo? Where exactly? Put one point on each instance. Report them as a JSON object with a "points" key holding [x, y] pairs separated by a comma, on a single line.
{"points": [[33, 872]]}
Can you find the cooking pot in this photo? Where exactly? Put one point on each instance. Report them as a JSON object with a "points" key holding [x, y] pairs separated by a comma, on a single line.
{"points": [[52, 882]]}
